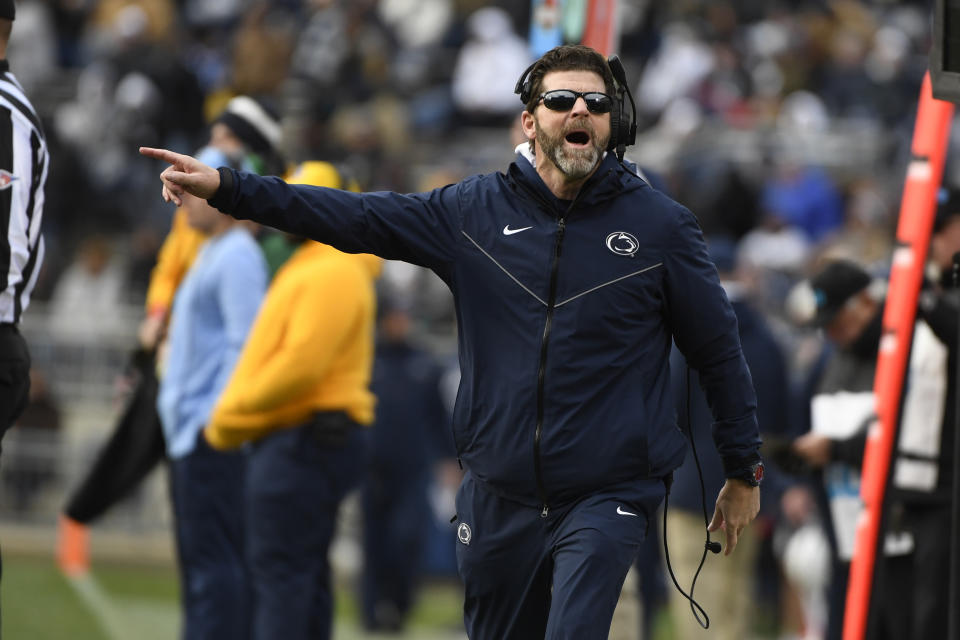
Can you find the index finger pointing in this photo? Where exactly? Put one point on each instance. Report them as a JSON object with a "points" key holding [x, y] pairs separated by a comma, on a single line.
{"points": [[161, 154]]}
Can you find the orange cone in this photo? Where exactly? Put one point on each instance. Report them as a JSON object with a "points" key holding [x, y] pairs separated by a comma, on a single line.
{"points": [[73, 547]]}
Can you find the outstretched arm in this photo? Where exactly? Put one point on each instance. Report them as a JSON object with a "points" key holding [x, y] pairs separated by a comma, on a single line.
{"points": [[421, 228], [184, 175]]}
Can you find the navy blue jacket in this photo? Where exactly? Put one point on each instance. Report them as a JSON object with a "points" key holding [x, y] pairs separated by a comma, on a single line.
{"points": [[565, 313]]}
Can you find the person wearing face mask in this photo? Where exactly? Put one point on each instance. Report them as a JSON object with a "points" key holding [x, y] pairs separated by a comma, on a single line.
{"points": [[212, 313], [847, 303]]}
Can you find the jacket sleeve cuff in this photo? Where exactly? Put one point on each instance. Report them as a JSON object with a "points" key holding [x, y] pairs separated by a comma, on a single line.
{"points": [[734, 466], [221, 199]]}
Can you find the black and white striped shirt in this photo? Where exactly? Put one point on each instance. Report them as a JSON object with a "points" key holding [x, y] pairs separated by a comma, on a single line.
{"points": [[24, 163]]}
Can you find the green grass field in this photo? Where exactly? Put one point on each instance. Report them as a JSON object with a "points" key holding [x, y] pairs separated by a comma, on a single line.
{"points": [[38, 601], [131, 601], [122, 601]]}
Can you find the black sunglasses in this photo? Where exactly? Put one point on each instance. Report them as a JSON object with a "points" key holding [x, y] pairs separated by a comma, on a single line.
{"points": [[564, 99]]}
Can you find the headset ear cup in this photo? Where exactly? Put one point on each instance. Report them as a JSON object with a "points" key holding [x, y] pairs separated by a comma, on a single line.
{"points": [[623, 125], [614, 125], [523, 87], [623, 133], [628, 122]]}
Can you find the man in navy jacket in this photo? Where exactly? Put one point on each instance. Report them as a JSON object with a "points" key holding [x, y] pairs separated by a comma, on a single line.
{"points": [[570, 276]]}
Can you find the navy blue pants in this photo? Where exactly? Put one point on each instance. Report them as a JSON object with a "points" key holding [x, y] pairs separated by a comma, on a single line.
{"points": [[396, 517], [295, 484], [556, 577], [207, 491]]}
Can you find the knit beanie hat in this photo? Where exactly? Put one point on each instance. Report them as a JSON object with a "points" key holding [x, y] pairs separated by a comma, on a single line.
{"points": [[250, 120]]}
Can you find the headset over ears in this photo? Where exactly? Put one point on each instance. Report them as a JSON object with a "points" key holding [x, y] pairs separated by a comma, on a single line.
{"points": [[623, 125]]}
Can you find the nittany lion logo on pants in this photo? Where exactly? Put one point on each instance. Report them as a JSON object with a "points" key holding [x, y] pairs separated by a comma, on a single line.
{"points": [[464, 534]]}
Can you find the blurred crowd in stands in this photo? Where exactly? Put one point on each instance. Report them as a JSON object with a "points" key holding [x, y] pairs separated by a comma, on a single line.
{"points": [[783, 125]]}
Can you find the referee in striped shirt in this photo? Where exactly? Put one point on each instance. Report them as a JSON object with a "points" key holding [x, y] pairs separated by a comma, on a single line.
{"points": [[23, 171]]}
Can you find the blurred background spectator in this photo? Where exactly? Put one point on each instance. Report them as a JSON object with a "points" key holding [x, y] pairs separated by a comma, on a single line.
{"points": [[87, 296], [487, 65], [409, 439]]}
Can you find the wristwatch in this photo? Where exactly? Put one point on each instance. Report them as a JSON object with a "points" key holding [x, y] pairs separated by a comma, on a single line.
{"points": [[752, 474]]}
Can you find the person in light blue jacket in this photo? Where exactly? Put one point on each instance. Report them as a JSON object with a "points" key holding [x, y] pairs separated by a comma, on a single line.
{"points": [[212, 312]]}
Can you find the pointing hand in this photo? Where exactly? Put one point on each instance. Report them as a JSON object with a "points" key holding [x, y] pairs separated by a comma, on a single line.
{"points": [[184, 175]]}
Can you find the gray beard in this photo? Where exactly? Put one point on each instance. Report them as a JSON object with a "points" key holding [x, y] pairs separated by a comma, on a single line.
{"points": [[576, 164]]}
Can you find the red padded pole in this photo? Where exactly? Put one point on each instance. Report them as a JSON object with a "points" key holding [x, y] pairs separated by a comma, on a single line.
{"points": [[917, 210]]}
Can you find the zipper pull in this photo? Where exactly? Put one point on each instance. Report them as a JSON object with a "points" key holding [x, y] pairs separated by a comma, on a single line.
{"points": [[545, 511]]}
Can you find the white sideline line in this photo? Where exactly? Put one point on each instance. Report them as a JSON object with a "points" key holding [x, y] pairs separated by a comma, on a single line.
{"points": [[98, 603]]}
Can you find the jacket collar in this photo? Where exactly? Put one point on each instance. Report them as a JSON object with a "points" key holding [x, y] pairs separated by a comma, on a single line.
{"points": [[608, 181]]}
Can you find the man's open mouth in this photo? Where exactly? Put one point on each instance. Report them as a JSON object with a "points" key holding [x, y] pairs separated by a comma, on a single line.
{"points": [[579, 138]]}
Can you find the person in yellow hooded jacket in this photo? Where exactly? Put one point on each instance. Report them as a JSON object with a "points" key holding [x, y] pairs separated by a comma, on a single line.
{"points": [[300, 394]]}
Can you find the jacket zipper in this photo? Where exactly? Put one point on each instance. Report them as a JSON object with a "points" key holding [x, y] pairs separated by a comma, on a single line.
{"points": [[548, 324], [542, 370]]}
